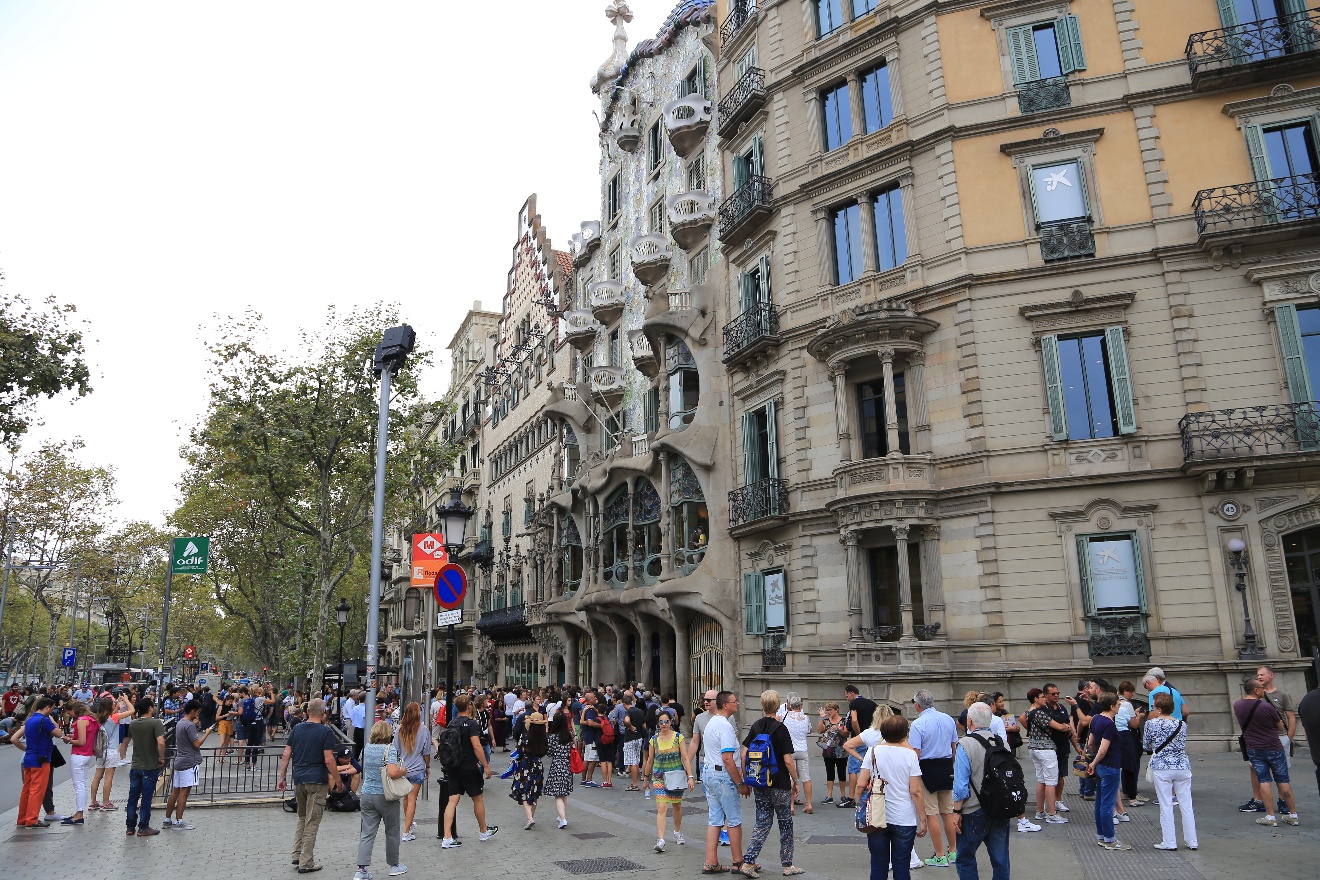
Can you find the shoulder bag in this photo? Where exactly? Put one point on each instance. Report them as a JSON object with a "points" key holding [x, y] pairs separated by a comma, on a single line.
{"points": [[1242, 737], [1150, 771], [871, 811], [396, 789]]}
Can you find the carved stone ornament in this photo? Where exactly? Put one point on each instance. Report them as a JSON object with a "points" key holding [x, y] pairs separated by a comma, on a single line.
{"points": [[619, 13], [1282, 90], [1314, 282]]}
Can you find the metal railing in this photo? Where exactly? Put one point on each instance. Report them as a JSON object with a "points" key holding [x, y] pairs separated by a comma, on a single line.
{"points": [[753, 194], [1258, 203], [1043, 94], [772, 650], [748, 88], [236, 773], [741, 14], [500, 618], [1119, 636], [759, 500], [1254, 41], [1249, 431], [758, 322], [1061, 241]]}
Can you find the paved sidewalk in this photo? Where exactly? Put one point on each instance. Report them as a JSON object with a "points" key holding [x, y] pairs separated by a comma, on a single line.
{"points": [[254, 841]]}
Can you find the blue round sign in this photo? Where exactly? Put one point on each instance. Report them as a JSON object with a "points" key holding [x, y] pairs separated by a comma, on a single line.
{"points": [[450, 586]]}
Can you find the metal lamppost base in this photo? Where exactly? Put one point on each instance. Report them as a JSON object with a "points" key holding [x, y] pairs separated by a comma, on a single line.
{"points": [[1251, 652]]}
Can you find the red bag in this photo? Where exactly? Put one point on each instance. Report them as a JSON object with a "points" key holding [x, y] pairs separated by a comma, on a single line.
{"points": [[606, 731], [440, 716], [575, 763]]}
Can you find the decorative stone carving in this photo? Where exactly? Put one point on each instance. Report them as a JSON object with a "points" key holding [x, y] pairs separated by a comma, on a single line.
{"points": [[619, 13]]}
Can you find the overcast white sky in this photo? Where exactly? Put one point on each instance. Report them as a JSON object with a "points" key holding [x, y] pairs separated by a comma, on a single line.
{"points": [[164, 162]]}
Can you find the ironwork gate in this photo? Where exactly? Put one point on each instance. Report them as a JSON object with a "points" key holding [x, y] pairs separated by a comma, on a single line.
{"points": [[706, 664]]}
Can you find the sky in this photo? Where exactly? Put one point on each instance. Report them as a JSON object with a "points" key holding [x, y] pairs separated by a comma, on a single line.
{"points": [[166, 164]]}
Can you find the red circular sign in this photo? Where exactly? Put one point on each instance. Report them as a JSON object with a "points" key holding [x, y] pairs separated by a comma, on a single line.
{"points": [[450, 586], [189, 653]]}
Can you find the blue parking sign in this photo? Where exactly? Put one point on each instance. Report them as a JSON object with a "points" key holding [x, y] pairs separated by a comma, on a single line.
{"points": [[70, 658]]}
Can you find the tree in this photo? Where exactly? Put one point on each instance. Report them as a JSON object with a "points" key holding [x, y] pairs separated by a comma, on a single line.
{"points": [[291, 445], [39, 356]]}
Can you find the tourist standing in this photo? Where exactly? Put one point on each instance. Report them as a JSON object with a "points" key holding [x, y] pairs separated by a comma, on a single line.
{"points": [[1065, 740], [529, 773], [188, 742], [1106, 767], [148, 735], [109, 759], [774, 802], [1261, 726], [669, 768], [1165, 737], [799, 727], [861, 712], [82, 757], [722, 783], [970, 821], [467, 776], [833, 733], [1283, 704], [381, 755], [39, 735], [1042, 725], [559, 775], [414, 748], [933, 734], [905, 813], [311, 749]]}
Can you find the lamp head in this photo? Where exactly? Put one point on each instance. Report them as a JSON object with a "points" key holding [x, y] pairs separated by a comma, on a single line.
{"points": [[341, 611], [1236, 545], [454, 518]]}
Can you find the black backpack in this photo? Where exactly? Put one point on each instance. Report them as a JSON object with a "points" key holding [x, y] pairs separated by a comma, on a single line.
{"points": [[449, 747], [1003, 791]]}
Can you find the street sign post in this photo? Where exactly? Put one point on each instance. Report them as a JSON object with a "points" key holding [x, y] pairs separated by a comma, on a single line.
{"points": [[449, 618], [187, 556], [450, 586], [69, 658]]}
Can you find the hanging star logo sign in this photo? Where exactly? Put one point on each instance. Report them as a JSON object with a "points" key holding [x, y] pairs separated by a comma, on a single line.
{"points": [[1057, 178], [1106, 554]]}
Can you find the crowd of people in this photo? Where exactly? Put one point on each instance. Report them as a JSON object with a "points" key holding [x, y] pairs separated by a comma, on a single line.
{"points": [[940, 775]]}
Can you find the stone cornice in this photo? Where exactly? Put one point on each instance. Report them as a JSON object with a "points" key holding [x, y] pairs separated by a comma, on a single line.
{"points": [[1057, 140], [1283, 97]]}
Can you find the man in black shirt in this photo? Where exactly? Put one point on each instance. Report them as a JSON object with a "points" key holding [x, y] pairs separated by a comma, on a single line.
{"points": [[775, 802], [311, 749], [1308, 712], [634, 730], [470, 776], [1083, 707], [1063, 740], [861, 712]]}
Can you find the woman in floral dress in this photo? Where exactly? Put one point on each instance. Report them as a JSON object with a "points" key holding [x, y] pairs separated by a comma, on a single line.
{"points": [[559, 778], [668, 756], [529, 778]]}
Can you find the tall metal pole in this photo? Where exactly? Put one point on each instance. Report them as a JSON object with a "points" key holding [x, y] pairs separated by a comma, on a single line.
{"points": [[165, 619], [377, 539], [4, 592], [428, 673]]}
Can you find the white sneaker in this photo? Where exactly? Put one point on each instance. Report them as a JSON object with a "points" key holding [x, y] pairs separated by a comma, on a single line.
{"points": [[180, 825], [362, 874], [450, 843], [660, 845], [400, 869], [563, 823], [679, 838], [491, 831], [408, 837], [1122, 817], [1055, 820], [1024, 825], [1039, 816], [412, 830], [1173, 848], [1061, 807]]}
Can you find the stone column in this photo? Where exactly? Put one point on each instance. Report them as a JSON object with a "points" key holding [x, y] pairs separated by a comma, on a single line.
{"points": [[918, 417], [667, 666], [620, 651], [571, 670], [932, 584], [682, 662], [824, 253], [662, 406], [868, 233], [891, 405], [855, 99], [632, 535], [839, 373], [904, 577], [857, 606], [666, 519], [815, 121]]}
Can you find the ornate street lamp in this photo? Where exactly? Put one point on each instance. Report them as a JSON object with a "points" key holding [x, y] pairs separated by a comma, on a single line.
{"points": [[1250, 649]]}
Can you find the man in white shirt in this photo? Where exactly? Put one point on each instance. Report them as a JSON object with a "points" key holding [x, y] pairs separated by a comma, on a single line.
{"points": [[346, 712], [510, 697], [722, 781]]}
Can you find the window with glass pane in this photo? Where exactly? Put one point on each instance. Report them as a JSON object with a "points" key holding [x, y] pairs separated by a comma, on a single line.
{"points": [[886, 594], [612, 199], [849, 256], [684, 384], [614, 349], [615, 551], [691, 520], [1047, 50], [871, 411], [1085, 373], [1112, 574], [696, 174], [837, 117], [647, 546], [1290, 150], [890, 233], [1059, 191], [829, 16], [861, 7], [655, 147], [651, 411], [1308, 322], [570, 572], [698, 265], [877, 101], [658, 216]]}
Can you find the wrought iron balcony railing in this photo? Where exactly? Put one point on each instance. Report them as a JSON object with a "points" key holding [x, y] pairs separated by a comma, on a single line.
{"points": [[741, 14], [772, 650], [759, 322], [1254, 41], [759, 500], [1250, 431], [746, 97], [1043, 94], [503, 618], [1256, 204], [1062, 241], [1119, 636], [749, 199]]}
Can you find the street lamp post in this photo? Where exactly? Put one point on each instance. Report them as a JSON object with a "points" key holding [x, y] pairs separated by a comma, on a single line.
{"points": [[454, 518], [1250, 649], [341, 615]]}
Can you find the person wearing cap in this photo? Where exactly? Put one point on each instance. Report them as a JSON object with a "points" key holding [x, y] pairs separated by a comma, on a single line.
{"points": [[530, 733]]}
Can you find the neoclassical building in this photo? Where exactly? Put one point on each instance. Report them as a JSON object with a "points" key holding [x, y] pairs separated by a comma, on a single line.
{"points": [[1024, 300]]}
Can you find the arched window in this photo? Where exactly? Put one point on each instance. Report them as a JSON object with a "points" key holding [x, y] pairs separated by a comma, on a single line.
{"points": [[691, 521], [572, 455], [684, 384], [570, 558], [614, 532], [647, 547]]}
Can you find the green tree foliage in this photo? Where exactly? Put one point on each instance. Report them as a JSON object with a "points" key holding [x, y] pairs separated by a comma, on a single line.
{"points": [[281, 475], [39, 356]]}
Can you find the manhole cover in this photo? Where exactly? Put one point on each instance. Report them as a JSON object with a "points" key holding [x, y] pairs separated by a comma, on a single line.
{"points": [[593, 835], [599, 866]]}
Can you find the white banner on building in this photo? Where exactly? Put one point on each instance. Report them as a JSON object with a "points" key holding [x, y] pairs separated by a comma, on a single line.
{"points": [[1114, 575], [776, 606]]}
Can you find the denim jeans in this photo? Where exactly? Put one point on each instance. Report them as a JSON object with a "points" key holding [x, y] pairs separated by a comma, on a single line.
{"points": [[978, 828], [1106, 800], [141, 787], [1086, 785], [892, 845]]}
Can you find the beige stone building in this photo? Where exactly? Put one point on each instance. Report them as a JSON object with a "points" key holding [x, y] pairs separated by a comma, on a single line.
{"points": [[1023, 308]]}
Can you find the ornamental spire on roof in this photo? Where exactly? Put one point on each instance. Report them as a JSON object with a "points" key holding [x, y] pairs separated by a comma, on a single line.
{"points": [[619, 13]]}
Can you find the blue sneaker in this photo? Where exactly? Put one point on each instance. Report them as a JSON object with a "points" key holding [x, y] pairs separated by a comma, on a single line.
{"points": [[724, 837], [1252, 806]]}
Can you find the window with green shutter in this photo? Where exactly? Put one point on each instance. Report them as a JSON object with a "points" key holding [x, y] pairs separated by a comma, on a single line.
{"points": [[754, 603], [1046, 50], [1299, 342], [1088, 385]]}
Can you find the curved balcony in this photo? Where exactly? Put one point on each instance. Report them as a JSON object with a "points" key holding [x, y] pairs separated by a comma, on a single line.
{"points": [[650, 257], [607, 383], [746, 97], [607, 301], [505, 624], [628, 132], [686, 313], [580, 328], [887, 475], [687, 120], [691, 215], [582, 245], [742, 212], [643, 355]]}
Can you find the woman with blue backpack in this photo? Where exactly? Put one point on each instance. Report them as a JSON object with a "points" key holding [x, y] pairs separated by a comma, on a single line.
{"points": [[770, 772]]}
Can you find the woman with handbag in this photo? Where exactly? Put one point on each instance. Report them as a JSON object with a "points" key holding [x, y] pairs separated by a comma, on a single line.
{"points": [[890, 801], [414, 748], [833, 732], [669, 767], [559, 778], [380, 760], [1165, 737]]}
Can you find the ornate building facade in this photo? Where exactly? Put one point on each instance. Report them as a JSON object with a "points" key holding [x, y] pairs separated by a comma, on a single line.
{"points": [[1023, 297]]}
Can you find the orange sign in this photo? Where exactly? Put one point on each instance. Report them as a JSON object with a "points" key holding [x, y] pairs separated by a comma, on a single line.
{"points": [[428, 557]]}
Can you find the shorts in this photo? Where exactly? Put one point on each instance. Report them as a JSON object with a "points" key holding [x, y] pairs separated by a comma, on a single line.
{"points": [[1271, 765], [185, 778], [802, 761], [467, 780], [938, 803], [1046, 763], [632, 753], [589, 753], [109, 760], [417, 778], [723, 806], [854, 765]]}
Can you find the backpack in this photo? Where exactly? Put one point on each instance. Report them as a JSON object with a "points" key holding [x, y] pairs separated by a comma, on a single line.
{"points": [[762, 764], [449, 747], [249, 715], [345, 801], [1003, 791], [606, 730], [102, 742]]}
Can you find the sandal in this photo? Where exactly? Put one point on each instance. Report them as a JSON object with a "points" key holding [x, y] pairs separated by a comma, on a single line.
{"points": [[808, 810], [793, 869], [632, 788], [713, 869]]}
